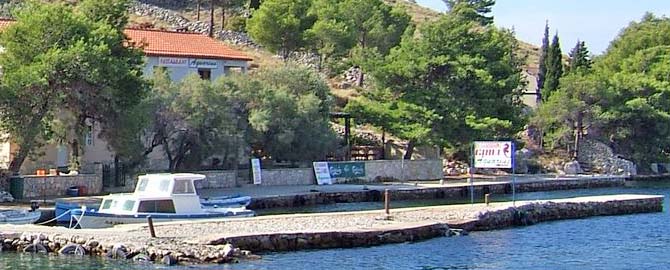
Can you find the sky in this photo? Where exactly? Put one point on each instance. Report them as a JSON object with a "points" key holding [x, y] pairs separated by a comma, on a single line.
{"points": [[596, 22]]}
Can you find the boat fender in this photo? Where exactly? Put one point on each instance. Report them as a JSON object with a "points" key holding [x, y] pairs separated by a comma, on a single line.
{"points": [[72, 249], [118, 251], [141, 258], [35, 248], [169, 260]]}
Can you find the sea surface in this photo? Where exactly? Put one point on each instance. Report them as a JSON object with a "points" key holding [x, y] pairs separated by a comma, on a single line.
{"points": [[639, 241]]}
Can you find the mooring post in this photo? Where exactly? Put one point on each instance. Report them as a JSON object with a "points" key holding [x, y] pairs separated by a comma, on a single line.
{"points": [[487, 199], [150, 220], [387, 202]]}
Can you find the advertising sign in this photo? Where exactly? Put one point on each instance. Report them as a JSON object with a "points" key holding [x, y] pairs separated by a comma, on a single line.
{"points": [[256, 170], [493, 154], [322, 173]]}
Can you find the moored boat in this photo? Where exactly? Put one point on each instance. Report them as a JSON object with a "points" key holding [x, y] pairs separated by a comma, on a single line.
{"points": [[226, 201], [164, 197], [19, 217]]}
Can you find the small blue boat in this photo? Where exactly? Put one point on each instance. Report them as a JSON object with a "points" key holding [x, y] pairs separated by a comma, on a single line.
{"points": [[63, 207], [226, 201]]}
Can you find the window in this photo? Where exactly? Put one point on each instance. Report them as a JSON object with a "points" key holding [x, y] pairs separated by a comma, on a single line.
{"points": [[158, 206], [205, 74], [142, 186], [128, 205], [182, 187], [106, 204], [88, 135]]}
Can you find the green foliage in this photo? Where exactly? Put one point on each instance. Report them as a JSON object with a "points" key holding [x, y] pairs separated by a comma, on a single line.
{"points": [[289, 114], [622, 100], [461, 80], [472, 10], [579, 58], [554, 64], [59, 61], [636, 68], [576, 105], [280, 25], [542, 68]]}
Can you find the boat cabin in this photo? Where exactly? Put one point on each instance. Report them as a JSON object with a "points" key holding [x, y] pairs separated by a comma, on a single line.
{"points": [[157, 193]]}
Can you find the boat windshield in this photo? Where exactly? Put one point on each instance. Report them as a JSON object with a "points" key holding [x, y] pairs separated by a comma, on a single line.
{"points": [[151, 185], [106, 204], [128, 205], [183, 187]]}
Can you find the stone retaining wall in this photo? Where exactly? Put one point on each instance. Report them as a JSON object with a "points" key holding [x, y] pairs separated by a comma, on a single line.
{"points": [[525, 214], [336, 239], [403, 170], [450, 192], [547, 211], [35, 187]]}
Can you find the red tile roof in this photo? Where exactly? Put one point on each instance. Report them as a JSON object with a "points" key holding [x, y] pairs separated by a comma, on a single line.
{"points": [[5, 22], [182, 44], [174, 44]]}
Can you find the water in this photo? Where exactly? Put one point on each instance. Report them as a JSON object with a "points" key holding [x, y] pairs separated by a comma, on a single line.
{"points": [[616, 242]]}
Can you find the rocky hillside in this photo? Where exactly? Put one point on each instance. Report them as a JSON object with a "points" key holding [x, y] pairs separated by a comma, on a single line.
{"points": [[182, 14]]}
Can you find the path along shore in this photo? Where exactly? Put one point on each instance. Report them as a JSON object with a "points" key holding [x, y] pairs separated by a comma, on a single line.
{"points": [[217, 241]]}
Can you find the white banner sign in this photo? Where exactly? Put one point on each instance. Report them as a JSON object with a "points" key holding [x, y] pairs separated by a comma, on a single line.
{"points": [[172, 62], [256, 170], [322, 173], [492, 154], [203, 63]]}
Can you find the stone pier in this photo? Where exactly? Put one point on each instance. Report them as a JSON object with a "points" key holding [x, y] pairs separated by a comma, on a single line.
{"points": [[227, 240]]}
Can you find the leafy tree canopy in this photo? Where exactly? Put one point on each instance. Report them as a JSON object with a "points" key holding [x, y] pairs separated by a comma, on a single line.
{"points": [[463, 77], [58, 61]]}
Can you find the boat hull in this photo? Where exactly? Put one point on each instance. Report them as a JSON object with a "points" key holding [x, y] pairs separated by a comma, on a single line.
{"points": [[19, 217], [226, 201], [95, 220]]}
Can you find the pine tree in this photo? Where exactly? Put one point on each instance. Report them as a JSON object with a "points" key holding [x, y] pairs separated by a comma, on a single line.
{"points": [[554, 64], [475, 10], [579, 57], [542, 69]]}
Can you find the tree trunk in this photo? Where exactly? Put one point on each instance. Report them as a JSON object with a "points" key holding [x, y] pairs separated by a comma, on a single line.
{"points": [[410, 150], [198, 9], [211, 18], [29, 139], [359, 80], [223, 17], [578, 134]]}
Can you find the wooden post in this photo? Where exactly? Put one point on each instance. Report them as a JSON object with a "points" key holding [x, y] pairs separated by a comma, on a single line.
{"points": [[150, 220], [487, 199], [387, 202]]}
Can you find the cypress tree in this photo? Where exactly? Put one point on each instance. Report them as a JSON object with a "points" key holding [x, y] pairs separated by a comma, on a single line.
{"points": [[579, 57], [542, 69], [554, 64]]}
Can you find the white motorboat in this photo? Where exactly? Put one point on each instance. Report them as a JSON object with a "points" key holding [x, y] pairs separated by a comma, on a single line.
{"points": [[164, 197]]}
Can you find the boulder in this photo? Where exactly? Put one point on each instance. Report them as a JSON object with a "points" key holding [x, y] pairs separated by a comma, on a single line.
{"points": [[572, 167]]}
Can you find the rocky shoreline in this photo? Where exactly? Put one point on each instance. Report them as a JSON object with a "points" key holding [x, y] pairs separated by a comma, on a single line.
{"points": [[231, 240]]}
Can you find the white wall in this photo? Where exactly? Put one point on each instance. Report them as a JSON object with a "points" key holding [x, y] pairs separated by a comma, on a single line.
{"points": [[179, 70]]}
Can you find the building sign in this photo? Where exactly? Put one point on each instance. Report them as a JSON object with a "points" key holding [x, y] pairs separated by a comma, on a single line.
{"points": [[493, 154], [203, 63], [188, 62], [172, 62]]}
